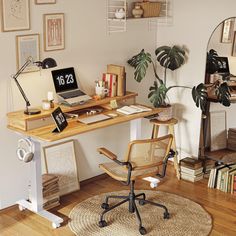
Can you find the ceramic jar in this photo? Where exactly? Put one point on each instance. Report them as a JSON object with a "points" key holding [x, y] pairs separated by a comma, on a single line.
{"points": [[137, 12]]}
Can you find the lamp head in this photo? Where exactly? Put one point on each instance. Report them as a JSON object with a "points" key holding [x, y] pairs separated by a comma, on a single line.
{"points": [[48, 63]]}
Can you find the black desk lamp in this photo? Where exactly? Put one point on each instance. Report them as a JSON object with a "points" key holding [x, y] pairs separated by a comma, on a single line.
{"points": [[45, 64]]}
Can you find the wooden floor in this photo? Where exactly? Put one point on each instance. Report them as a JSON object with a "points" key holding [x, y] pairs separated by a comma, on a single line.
{"points": [[221, 206]]}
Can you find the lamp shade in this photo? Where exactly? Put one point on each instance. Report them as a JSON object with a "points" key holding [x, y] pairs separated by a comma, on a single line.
{"points": [[48, 63]]}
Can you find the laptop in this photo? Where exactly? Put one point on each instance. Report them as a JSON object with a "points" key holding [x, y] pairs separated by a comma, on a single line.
{"points": [[67, 88]]}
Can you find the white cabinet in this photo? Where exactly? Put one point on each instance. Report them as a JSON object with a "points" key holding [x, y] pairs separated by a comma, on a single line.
{"points": [[115, 25]]}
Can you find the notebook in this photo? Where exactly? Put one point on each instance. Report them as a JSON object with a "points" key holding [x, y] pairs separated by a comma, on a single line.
{"points": [[67, 88]]}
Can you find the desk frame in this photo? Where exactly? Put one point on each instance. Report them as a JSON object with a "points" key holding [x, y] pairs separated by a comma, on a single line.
{"points": [[36, 205]]}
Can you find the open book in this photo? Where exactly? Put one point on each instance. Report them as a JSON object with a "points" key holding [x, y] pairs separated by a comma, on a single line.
{"points": [[132, 109]]}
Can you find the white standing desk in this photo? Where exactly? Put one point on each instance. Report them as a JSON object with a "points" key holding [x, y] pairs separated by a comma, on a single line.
{"points": [[22, 124]]}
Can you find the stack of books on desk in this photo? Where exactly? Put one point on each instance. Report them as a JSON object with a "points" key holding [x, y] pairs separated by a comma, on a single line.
{"points": [[231, 143], [223, 178], [51, 196], [191, 169]]}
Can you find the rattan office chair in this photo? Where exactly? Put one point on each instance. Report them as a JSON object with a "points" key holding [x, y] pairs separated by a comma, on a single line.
{"points": [[143, 159]]}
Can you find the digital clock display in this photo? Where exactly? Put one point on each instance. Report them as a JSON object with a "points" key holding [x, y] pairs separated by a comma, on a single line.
{"points": [[59, 119], [64, 79]]}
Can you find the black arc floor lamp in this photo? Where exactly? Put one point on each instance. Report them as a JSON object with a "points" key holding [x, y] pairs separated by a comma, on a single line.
{"points": [[45, 64]]}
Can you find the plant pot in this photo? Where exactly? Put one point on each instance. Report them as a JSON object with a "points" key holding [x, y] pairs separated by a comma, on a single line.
{"points": [[166, 114]]}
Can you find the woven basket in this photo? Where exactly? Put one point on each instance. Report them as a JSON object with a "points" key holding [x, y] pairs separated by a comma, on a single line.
{"points": [[150, 9]]}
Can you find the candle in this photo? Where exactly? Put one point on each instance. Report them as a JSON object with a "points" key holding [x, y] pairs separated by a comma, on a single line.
{"points": [[50, 96]]}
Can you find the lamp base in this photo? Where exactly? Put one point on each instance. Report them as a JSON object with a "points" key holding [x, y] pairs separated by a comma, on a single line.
{"points": [[32, 111]]}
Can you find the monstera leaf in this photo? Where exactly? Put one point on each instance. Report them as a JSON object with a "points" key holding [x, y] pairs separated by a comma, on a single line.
{"points": [[157, 95], [199, 95], [213, 62], [140, 63], [170, 57], [223, 94]]}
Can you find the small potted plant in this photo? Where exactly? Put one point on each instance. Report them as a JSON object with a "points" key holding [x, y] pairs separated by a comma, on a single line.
{"points": [[172, 58]]}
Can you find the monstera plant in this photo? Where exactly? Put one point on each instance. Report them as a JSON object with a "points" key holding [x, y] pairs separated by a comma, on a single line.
{"points": [[172, 58]]}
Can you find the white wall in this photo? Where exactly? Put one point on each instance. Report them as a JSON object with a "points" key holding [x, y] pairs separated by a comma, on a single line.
{"points": [[193, 24], [89, 49]]}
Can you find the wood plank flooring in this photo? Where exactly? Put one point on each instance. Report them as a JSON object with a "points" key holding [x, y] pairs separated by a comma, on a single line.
{"points": [[221, 206]]}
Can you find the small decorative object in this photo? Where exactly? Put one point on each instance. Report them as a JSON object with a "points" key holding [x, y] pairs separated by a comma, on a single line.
{"points": [[227, 31], [120, 13], [50, 99], [137, 11], [38, 2], [54, 35], [15, 15], [27, 46], [46, 105], [150, 9]]}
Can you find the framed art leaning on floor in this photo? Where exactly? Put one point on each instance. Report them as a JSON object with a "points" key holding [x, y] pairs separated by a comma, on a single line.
{"points": [[54, 35]]}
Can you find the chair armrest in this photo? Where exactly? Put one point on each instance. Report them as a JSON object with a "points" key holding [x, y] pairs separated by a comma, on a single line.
{"points": [[113, 157], [107, 153]]}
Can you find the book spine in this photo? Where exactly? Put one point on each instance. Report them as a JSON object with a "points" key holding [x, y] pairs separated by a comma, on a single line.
{"points": [[110, 83]]}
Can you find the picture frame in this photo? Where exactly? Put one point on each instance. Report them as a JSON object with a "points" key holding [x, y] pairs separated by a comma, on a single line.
{"points": [[54, 32], [40, 2], [27, 46], [227, 31], [60, 160], [234, 45], [15, 15]]}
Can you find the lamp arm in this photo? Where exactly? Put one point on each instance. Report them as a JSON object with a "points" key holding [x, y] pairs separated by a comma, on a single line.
{"points": [[17, 83]]}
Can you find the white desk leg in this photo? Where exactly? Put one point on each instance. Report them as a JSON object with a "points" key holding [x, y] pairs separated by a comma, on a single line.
{"points": [[36, 204], [135, 129]]}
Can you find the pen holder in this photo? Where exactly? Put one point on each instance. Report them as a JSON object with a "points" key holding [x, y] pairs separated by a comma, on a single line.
{"points": [[101, 91]]}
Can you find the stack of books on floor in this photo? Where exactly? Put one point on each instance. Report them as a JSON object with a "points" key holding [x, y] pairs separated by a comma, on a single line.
{"points": [[231, 142], [51, 196], [223, 177], [191, 169], [209, 165]]}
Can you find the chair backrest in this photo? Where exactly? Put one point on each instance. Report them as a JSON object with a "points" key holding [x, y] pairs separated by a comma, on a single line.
{"points": [[149, 152]]}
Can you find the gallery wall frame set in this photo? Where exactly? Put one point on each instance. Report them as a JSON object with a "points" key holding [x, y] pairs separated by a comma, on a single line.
{"points": [[54, 31], [15, 15], [27, 46], [39, 2]]}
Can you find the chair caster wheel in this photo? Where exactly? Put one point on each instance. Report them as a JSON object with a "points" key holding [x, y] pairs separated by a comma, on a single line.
{"points": [[102, 223], [166, 215], [141, 202], [105, 206], [55, 225], [142, 231]]}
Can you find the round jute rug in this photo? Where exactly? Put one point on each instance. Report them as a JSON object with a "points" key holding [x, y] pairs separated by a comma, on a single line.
{"points": [[186, 217]]}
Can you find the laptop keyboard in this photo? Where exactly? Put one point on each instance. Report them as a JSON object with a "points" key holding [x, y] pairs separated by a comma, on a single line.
{"points": [[72, 94]]}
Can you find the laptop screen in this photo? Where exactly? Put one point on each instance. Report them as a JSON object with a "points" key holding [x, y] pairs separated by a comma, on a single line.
{"points": [[223, 66], [64, 79]]}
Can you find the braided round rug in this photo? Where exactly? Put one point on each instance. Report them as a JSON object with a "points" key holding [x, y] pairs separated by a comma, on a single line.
{"points": [[186, 217]]}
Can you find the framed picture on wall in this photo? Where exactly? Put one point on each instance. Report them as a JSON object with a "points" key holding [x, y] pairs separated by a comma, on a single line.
{"points": [[27, 46], [60, 160], [45, 1], [227, 31], [15, 15], [54, 32]]}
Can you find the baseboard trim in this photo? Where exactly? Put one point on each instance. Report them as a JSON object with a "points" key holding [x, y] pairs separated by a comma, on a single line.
{"points": [[95, 178]]}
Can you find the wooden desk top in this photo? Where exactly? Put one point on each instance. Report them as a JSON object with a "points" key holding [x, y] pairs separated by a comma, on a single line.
{"points": [[19, 122], [74, 127]]}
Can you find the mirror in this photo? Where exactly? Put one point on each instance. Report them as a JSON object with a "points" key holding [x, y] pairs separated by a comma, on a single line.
{"points": [[219, 120]]}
